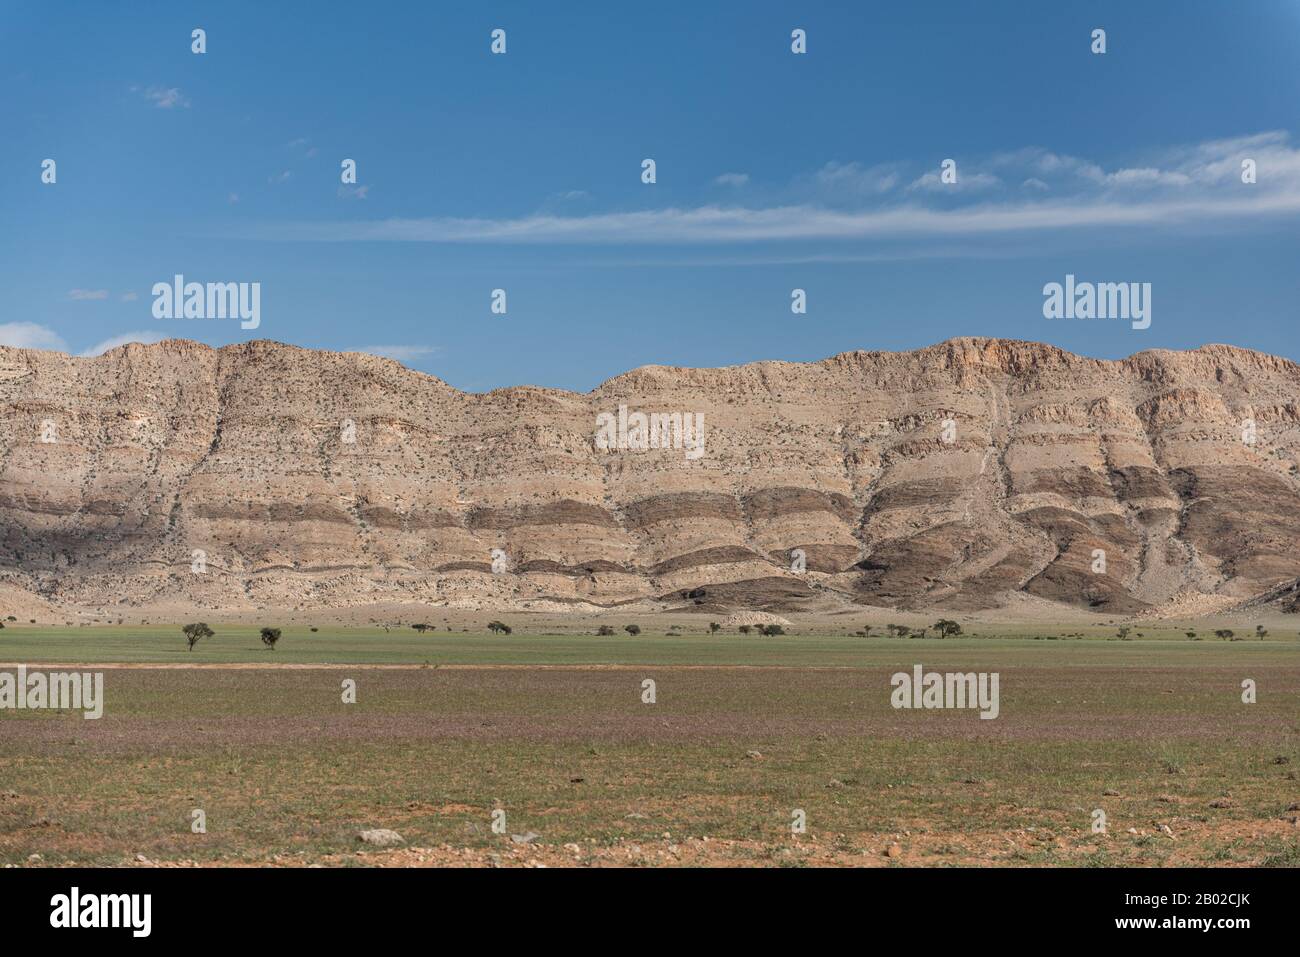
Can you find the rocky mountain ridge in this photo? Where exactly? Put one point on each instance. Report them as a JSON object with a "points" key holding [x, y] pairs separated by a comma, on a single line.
{"points": [[959, 476]]}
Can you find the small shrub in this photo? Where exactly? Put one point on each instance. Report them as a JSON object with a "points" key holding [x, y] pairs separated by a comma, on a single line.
{"points": [[270, 636]]}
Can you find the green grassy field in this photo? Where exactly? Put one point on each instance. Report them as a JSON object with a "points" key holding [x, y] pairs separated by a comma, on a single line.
{"points": [[240, 644], [744, 732]]}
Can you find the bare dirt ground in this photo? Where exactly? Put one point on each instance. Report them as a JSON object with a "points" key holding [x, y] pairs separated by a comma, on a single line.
{"points": [[591, 775]]}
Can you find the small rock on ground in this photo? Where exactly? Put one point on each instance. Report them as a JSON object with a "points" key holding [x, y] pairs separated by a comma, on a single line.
{"points": [[380, 837]]}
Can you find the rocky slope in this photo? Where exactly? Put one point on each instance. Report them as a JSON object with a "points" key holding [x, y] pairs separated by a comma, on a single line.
{"points": [[263, 475]]}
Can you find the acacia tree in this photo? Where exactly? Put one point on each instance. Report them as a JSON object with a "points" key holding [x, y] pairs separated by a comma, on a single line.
{"points": [[946, 627], [498, 628], [193, 632], [270, 636], [632, 630]]}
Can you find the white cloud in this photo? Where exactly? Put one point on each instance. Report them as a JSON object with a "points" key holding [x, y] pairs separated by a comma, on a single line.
{"points": [[82, 295], [282, 177], [965, 181], [1185, 186], [130, 296], [354, 192], [401, 353], [713, 224], [29, 335], [732, 179], [847, 180], [165, 98], [146, 338]]}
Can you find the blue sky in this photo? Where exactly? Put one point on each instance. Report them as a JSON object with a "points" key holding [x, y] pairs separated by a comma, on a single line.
{"points": [[775, 171]]}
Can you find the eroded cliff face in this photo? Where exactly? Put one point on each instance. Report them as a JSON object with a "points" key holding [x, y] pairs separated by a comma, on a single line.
{"points": [[949, 477]]}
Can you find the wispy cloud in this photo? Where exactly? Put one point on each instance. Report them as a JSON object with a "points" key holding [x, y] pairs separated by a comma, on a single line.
{"points": [[165, 98], [130, 296], [732, 179], [848, 182], [87, 294], [30, 335], [401, 353], [146, 338], [304, 146], [1200, 184], [354, 192], [965, 182]]}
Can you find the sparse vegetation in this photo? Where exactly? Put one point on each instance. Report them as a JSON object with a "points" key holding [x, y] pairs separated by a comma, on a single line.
{"points": [[633, 630], [980, 787], [498, 628], [605, 630]]}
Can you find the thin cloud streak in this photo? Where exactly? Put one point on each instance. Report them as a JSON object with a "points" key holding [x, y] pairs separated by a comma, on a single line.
{"points": [[714, 224], [1182, 187]]}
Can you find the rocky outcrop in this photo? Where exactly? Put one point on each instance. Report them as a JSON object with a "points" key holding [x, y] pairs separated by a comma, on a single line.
{"points": [[263, 475]]}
